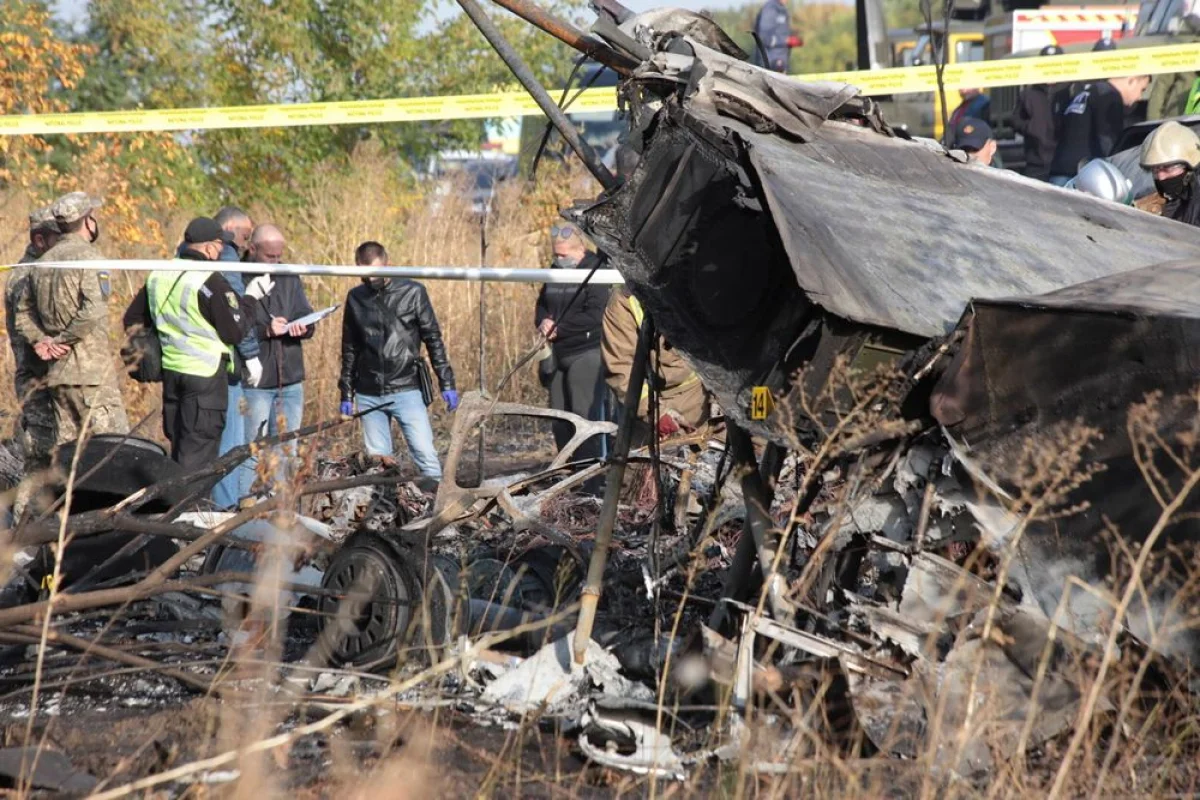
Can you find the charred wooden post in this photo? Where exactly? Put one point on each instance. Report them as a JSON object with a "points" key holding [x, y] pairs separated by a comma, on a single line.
{"points": [[612, 491]]}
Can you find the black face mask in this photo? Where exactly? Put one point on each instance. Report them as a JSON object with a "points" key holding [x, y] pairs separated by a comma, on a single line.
{"points": [[94, 230], [1174, 187]]}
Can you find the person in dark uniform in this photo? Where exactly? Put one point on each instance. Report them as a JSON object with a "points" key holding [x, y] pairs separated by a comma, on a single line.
{"points": [[1092, 122], [974, 104], [198, 317], [773, 29], [1037, 119], [1171, 154], [974, 137], [573, 373]]}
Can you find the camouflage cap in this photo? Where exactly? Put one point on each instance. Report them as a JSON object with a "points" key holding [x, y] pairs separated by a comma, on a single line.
{"points": [[41, 219], [73, 207]]}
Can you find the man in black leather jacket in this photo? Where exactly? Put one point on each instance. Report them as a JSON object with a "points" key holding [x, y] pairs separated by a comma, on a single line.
{"points": [[384, 323]]}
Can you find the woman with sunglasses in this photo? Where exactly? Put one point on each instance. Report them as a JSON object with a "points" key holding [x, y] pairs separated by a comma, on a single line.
{"points": [[573, 371]]}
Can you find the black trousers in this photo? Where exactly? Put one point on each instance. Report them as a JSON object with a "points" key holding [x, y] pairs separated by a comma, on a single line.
{"points": [[194, 416], [577, 386]]}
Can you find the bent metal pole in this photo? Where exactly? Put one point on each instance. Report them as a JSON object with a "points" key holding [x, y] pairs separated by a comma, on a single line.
{"points": [[521, 70], [568, 34]]}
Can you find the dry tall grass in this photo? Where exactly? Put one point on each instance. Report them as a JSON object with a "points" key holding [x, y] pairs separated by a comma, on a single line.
{"points": [[418, 225]]}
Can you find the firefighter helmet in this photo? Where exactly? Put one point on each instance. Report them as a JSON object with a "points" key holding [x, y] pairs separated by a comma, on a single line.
{"points": [[1051, 50], [1102, 179], [1171, 143]]}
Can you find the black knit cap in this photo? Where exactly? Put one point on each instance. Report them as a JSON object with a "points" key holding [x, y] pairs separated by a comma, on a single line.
{"points": [[201, 230]]}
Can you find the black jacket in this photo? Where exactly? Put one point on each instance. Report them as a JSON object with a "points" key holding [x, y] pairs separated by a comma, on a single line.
{"points": [[1090, 126], [282, 357], [1185, 209], [1037, 119], [578, 329], [382, 331]]}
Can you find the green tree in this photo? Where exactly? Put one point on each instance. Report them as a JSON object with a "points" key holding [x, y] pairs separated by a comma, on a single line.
{"points": [[180, 53], [146, 53], [329, 50]]}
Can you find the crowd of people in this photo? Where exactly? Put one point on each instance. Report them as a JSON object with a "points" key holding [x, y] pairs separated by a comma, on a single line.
{"points": [[1070, 133], [226, 343]]}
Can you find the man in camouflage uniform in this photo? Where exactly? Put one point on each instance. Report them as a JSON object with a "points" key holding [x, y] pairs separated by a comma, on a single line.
{"points": [[38, 432], [65, 315], [684, 403]]}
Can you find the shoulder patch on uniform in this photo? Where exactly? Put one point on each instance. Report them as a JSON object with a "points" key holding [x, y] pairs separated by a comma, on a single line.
{"points": [[232, 298], [105, 282], [204, 290]]}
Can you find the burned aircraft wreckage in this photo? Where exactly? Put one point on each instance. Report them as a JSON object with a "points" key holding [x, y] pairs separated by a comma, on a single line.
{"points": [[951, 354], [780, 234]]}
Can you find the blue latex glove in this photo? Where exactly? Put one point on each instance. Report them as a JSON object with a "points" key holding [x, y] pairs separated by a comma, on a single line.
{"points": [[451, 398], [347, 408]]}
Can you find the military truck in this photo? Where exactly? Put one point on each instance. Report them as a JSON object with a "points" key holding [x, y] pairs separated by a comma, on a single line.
{"points": [[920, 113], [980, 30]]}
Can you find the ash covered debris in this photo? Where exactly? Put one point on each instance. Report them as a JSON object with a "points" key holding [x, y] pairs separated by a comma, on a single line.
{"points": [[995, 426]]}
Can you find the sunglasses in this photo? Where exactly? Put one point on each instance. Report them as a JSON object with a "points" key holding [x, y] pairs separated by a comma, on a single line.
{"points": [[563, 231]]}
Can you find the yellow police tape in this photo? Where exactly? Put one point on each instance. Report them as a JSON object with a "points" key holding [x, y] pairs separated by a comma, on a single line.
{"points": [[1025, 71], [903, 80]]}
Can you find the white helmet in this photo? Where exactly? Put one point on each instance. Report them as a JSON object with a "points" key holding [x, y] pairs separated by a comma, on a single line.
{"points": [[1102, 179], [1171, 143]]}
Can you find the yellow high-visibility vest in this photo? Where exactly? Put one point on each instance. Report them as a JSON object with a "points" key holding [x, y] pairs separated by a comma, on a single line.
{"points": [[190, 343]]}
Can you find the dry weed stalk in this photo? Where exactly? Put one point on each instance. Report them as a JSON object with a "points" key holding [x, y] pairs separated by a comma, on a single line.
{"points": [[44, 634], [1146, 433]]}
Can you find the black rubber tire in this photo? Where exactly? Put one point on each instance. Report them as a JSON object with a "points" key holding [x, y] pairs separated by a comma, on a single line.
{"points": [[553, 577], [137, 464], [368, 634]]}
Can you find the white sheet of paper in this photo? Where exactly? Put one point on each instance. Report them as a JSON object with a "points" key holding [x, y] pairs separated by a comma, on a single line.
{"points": [[316, 316]]}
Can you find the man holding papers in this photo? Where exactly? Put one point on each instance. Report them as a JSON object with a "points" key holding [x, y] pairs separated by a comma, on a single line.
{"points": [[276, 405]]}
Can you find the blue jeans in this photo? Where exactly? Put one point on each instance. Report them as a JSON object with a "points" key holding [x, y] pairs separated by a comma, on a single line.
{"points": [[408, 409], [234, 486], [266, 406]]}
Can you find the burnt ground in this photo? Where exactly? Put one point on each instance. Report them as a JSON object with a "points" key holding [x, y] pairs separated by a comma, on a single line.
{"points": [[129, 726], [121, 724]]}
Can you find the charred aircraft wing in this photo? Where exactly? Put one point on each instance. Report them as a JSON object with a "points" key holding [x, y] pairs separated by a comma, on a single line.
{"points": [[756, 211], [1033, 369]]}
